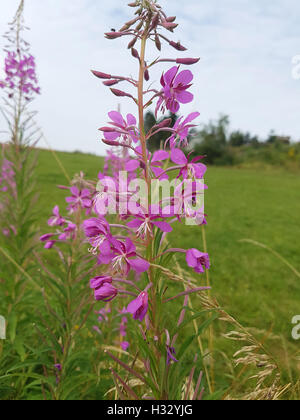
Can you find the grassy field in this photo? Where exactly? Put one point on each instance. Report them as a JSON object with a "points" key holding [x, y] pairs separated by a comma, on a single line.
{"points": [[251, 283]]}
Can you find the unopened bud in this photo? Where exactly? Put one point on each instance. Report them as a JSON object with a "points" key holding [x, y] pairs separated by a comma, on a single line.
{"points": [[107, 129], [131, 22], [113, 35], [124, 27], [139, 26], [165, 123], [139, 11], [111, 82], [101, 75], [171, 19], [177, 46], [120, 93], [187, 61], [110, 142], [157, 42], [135, 4], [169, 25], [155, 22], [134, 53], [146, 75], [132, 43]]}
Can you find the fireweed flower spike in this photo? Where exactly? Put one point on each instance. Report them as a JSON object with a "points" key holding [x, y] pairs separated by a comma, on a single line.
{"points": [[128, 243]]}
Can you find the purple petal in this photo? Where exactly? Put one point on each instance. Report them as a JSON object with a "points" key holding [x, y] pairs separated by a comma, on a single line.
{"points": [[160, 155], [191, 117], [169, 76], [191, 258], [132, 165], [164, 226], [74, 190], [111, 136], [177, 156], [139, 265], [184, 77], [134, 224], [185, 97], [56, 211], [117, 118], [131, 120]]}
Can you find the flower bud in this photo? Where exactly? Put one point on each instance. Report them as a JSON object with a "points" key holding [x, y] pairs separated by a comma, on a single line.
{"points": [[155, 22], [164, 123], [169, 25], [135, 4], [187, 61], [113, 35], [157, 42], [132, 43], [134, 53], [120, 93], [139, 26], [107, 129], [111, 82], [124, 28], [111, 142], [177, 46], [171, 19], [101, 75], [146, 75], [46, 237]]}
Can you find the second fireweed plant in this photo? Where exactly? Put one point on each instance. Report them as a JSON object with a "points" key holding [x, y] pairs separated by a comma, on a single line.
{"points": [[133, 252]]}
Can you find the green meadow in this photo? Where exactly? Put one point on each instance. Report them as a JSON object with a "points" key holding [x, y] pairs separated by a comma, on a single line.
{"points": [[251, 283]]}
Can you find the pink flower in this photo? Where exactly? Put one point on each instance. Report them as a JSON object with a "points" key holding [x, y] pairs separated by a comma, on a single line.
{"points": [[56, 219], [175, 88], [103, 288], [181, 130], [79, 199], [156, 162], [139, 307], [188, 169], [124, 345], [121, 256], [69, 232], [127, 130], [20, 73], [97, 231], [197, 260], [171, 353], [145, 220]]}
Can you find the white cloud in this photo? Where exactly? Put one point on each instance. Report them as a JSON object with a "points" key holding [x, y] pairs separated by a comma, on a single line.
{"points": [[246, 49]]}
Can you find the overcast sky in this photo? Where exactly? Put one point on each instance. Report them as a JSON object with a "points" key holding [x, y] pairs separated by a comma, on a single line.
{"points": [[246, 49]]}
